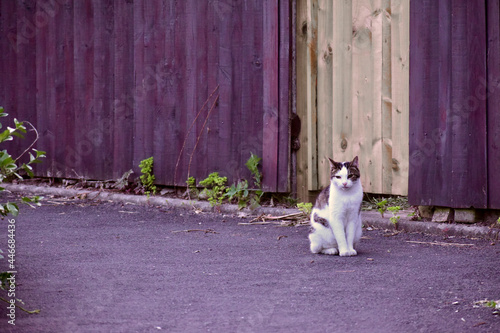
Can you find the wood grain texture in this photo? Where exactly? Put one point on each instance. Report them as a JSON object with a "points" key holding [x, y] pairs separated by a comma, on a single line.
{"points": [[353, 96], [492, 92], [110, 83], [447, 118]]}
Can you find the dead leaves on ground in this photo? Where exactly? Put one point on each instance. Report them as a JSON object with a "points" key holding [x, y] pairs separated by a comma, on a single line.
{"points": [[288, 220]]}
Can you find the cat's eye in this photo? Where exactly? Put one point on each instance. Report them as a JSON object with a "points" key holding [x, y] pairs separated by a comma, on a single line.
{"points": [[338, 177], [350, 176]]}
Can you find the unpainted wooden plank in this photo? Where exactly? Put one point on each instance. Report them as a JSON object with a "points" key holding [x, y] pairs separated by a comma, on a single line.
{"points": [[386, 96], [400, 44], [302, 50], [366, 107], [343, 147], [325, 92], [311, 89]]}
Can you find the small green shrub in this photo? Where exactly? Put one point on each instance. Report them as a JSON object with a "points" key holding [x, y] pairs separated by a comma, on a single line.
{"points": [[395, 217], [215, 188], [9, 168], [253, 165], [191, 184], [305, 207], [148, 178], [239, 193]]}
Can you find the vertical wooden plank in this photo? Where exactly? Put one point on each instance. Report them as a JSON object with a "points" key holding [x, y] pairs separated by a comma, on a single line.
{"points": [[400, 41], [271, 98], [123, 107], [99, 136], [11, 46], [302, 49], [493, 99], [284, 96], [44, 68], [179, 121], [233, 163], [60, 136], [468, 148], [223, 116], [139, 95], [325, 89], [191, 90], [145, 85], [385, 97], [156, 81], [343, 147], [451, 141], [25, 77], [202, 159], [79, 152], [366, 106], [430, 109]]}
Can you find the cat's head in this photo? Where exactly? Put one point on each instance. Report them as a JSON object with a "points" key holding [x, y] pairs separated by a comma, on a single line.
{"points": [[344, 174]]}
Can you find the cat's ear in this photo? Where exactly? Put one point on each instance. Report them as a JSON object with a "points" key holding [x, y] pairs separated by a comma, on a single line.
{"points": [[354, 162], [332, 163]]}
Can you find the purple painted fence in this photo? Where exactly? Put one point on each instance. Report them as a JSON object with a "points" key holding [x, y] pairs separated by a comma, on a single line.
{"points": [[199, 85], [454, 103]]}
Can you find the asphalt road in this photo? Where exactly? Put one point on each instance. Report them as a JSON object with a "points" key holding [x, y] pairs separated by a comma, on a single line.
{"points": [[93, 267]]}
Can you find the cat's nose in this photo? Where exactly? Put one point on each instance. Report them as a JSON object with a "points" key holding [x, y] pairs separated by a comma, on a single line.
{"points": [[345, 184]]}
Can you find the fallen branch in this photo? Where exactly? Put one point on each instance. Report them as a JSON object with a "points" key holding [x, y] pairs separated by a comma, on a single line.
{"points": [[207, 231], [294, 219], [440, 243]]}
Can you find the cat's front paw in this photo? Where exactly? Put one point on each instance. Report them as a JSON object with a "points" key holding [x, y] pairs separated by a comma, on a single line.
{"points": [[331, 251], [348, 253]]}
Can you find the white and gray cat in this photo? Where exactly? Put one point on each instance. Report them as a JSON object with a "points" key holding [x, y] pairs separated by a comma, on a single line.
{"points": [[335, 218]]}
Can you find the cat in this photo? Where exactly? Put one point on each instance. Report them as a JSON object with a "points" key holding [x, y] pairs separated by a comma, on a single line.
{"points": [[335, 218]]}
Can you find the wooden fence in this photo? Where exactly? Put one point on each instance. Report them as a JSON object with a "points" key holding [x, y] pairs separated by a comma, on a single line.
{"points": [[199, 85], [352, 91], [455, 103]]}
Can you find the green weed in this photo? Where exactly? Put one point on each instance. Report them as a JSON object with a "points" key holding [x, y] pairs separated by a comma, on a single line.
{"points": [[148, 178], [215, 188]]}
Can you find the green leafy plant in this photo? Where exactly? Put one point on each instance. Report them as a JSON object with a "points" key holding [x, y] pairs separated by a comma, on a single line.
{"points": [[498, 221], [305, 207], [215, 188], [148, 178], [253, 165], [9, 168], [191, 184], [240, 193], [382, 206], [395, 217]]}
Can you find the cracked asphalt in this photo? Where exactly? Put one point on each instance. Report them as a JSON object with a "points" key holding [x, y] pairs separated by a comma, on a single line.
{"points": [[112, 267]]}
